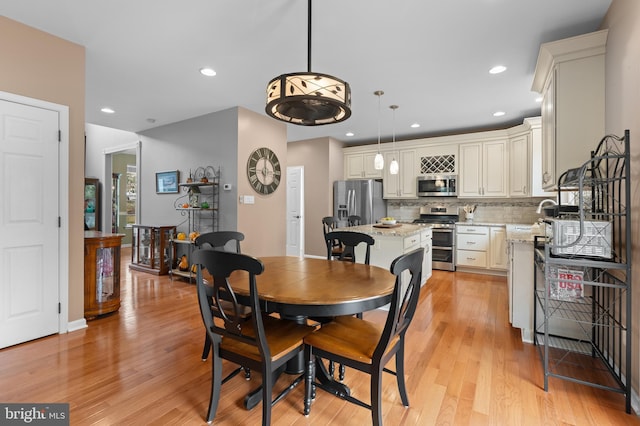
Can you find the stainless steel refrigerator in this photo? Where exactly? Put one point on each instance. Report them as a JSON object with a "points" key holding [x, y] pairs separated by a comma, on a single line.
{"points": [[361, 197]]}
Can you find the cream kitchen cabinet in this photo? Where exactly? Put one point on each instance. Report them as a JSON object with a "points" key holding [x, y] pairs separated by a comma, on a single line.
{"points": [[482, 248], [520, 166], [498, 258], [426, 237], [393, 242], [570, 76], [402, 185], [472, 246], [360, 166], [484, 169]]}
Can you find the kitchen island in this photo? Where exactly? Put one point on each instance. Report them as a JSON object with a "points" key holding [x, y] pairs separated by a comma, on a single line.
{"points": [[520, 279], [393, 241]]}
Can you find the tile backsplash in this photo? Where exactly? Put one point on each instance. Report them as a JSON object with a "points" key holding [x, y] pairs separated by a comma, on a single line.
{"points": [[520, 210]]}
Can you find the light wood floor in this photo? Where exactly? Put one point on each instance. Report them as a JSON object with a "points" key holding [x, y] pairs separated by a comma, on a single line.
{"points": [[465, 366]]}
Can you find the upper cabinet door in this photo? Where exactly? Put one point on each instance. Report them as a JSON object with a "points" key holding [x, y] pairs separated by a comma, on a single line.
{"points": [[483, 169], [360, 166], [519, 169], [570, 75], [402, 185]]}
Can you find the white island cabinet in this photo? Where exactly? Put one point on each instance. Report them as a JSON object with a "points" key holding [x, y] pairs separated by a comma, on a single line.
{"points": [[520, 279], [393, 242]]}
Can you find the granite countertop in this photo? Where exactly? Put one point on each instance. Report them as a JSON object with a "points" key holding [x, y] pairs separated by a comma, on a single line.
{"points": [[521, 233], [404, 230], [479, 223]]}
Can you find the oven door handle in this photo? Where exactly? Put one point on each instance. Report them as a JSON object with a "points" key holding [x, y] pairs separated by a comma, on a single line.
{"points": [[442, 248], [442, 230]]}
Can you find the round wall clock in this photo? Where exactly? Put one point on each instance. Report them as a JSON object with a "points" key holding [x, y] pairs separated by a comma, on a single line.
{"points": [[263, 171]]}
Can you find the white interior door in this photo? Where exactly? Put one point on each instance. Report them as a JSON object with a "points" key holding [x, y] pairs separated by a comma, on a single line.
{"points": [[295, 211], [29, 212]]}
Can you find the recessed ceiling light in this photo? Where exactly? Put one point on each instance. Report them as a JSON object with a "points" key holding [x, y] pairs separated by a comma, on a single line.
{"points": [[539, 99], [107, 110], [349, 134], [415, 125], [209, 72], [499, 113], [497, 69]]}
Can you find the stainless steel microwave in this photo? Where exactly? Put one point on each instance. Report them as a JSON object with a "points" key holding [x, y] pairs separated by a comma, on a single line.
{"points": [[437, 186]]}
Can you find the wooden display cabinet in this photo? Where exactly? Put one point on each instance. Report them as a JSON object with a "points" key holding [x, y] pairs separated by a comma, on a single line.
{"points": [[101, 273], [151, 250]]}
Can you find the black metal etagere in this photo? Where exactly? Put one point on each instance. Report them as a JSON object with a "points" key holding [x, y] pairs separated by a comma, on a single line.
{"points": [[582, 275]]}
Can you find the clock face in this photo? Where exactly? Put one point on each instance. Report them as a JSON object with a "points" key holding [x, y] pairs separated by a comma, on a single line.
{"points": [[263, 171]]}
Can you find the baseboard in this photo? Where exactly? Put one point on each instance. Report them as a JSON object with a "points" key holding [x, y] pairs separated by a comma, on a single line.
{"points": [[77, 325]]}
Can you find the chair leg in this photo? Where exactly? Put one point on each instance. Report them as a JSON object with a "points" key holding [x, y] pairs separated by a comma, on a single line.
{"points": [[332, 368], [206, 348], [400, 373], [341, 374], [267, 388], [376, 396], [216, 385], [309, 378]]}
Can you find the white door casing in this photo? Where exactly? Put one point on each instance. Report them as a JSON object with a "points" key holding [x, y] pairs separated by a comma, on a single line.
{"points": [[295, 211], [30, 247]]}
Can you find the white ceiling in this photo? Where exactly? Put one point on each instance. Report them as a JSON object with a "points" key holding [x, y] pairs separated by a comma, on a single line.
{"points": [[430, 57]]}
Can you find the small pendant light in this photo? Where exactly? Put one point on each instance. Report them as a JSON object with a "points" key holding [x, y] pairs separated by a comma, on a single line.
{"points": [[378, 162], [394, 168]]}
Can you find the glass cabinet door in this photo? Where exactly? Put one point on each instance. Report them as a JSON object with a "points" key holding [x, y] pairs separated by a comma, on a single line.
{"points": [[107, 274], [91, 204]]}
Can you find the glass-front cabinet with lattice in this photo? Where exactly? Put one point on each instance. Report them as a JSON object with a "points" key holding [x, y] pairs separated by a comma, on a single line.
{"points": [[151, 249], [582, 275]]}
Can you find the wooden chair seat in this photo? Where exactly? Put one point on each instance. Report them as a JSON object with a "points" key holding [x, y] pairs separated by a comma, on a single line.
{"points": [[349, 336], [282, 337]]}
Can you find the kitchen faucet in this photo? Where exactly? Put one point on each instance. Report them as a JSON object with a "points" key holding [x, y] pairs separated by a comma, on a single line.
{"points": [[543, 202]]}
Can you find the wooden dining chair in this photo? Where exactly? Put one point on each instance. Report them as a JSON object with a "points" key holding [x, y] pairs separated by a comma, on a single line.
{"points": [[368, 346], [349, 241], [354, 220], [264, 343], [219, 240], [329, 223]]}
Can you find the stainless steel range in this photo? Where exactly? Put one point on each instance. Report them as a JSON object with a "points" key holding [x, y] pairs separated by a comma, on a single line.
{"points": [[442, 220]]}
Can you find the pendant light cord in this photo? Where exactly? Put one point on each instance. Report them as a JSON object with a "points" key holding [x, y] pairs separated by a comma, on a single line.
{"points": [[309, 39]]}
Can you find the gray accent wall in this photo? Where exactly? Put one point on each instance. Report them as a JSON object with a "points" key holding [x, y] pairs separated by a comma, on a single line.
{"points": [[208, 140]]}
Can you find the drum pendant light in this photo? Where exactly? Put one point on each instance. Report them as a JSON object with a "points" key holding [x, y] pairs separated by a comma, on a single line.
{"points": [[394, 168], [378, 161], [308, 98]]}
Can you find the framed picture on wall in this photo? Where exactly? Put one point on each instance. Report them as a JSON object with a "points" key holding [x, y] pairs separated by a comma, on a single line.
{"points": [[167, 182]]}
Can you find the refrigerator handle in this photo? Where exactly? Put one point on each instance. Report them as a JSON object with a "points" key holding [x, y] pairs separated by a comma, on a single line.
{"points": [[349, 202], [352, 206], [354, 203]]}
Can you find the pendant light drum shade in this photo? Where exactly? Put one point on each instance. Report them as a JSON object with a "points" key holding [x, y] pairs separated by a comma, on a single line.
{"points": [[308, 99]]}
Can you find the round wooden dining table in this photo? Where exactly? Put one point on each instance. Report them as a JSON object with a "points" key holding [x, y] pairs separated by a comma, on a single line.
{"points": [[298, 288], [309, 287]]}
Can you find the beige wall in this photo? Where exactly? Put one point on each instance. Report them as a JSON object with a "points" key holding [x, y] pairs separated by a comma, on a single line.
{"points": [[622, 106], [40, 66], [322, 160], [262, 223]]}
